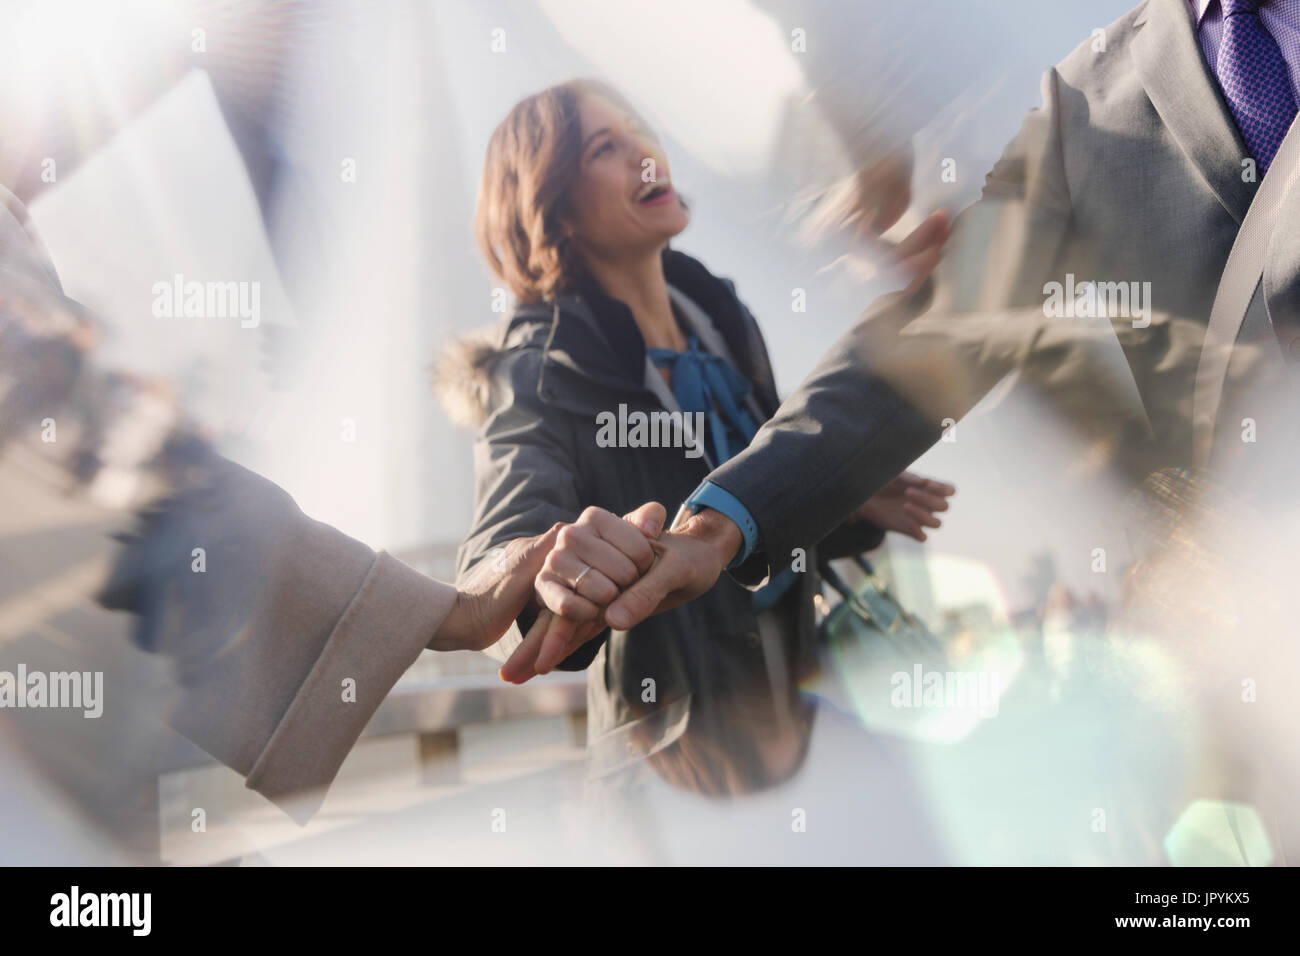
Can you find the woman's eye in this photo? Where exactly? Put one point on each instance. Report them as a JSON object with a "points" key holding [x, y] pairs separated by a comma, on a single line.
{"points": [[604, 147]]}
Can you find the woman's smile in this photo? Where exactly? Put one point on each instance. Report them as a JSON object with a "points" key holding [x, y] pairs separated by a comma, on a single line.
{"points": [[656, 194], [659, 197]]}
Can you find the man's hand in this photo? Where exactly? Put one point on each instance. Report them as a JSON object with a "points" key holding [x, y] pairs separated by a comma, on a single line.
{"points": [[866, 206], [498, 589], [908, 505], [917, 255], [688, 562], [883, 191]]}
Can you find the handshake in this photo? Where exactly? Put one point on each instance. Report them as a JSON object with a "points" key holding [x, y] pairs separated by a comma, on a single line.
{"points": [[605, 571]]}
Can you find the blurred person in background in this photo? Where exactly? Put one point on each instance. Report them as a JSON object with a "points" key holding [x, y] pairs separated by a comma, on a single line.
{"points": [[286, 611], [575, 215]]}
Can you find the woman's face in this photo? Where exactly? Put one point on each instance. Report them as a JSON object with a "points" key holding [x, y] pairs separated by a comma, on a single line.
{"points": [[622, 203]]}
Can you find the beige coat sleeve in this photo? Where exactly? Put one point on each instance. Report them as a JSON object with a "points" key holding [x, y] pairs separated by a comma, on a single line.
{"points": [[390, 619], [289, 638], [288, 641]]}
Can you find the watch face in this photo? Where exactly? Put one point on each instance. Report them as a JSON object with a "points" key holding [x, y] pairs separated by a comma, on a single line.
{"points": [[688, 508]]}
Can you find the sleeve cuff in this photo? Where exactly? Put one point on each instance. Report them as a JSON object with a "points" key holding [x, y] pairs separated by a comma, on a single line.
{"points": [[382, 632]]}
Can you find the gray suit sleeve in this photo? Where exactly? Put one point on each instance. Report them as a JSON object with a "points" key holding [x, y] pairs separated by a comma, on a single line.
{"points": [[881, 395]]}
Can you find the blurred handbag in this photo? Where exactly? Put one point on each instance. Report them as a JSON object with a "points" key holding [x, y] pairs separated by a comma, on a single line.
{"points": [[879, 658], [870, 615]]}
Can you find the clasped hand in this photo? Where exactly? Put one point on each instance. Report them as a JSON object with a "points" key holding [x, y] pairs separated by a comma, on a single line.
{"points": [[606, 571]]}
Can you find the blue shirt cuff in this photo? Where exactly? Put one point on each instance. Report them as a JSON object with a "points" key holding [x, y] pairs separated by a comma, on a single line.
{"points": [[709, 495]]}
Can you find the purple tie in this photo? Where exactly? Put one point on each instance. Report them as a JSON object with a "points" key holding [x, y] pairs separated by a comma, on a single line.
{"points": [[1254, 79]]}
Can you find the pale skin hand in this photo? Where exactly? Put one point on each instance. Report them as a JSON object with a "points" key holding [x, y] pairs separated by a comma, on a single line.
{"points": [[617, 551], [682, 565], [883, 192], [908, 505], [688, 563], [497, 591], [919, 253]]}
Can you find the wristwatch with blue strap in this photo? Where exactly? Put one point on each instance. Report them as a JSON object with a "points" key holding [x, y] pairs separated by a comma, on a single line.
{"points": [[709, 495]]}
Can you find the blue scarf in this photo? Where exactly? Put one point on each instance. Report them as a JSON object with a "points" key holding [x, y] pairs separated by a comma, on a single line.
{"points": [[707, 383]]}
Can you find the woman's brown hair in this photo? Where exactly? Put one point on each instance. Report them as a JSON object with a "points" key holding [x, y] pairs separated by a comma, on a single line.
{"points": [[532, 161]]}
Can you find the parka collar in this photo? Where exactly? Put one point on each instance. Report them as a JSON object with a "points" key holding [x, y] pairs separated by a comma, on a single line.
{"points": [[590, 338]]}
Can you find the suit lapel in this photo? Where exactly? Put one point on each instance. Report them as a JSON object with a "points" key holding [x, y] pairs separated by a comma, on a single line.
{"points": [[1282, 264], [1187, 97]]}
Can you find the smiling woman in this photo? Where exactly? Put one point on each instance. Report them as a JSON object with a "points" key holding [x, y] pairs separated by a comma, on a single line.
{"points": [[532, 225], [576, 214]]}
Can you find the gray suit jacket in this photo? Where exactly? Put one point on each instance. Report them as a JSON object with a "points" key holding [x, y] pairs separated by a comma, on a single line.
{"points": [[1131, 172]]}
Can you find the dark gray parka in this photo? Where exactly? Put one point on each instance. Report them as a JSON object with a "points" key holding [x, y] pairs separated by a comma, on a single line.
{"points": [[539, 389]]}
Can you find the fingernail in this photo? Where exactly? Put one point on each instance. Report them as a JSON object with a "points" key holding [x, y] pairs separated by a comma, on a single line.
{"points": [[619, 618], [650, 527]]}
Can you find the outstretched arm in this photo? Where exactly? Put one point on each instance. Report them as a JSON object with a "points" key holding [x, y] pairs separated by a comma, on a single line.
{"points": [[884, 392]]}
